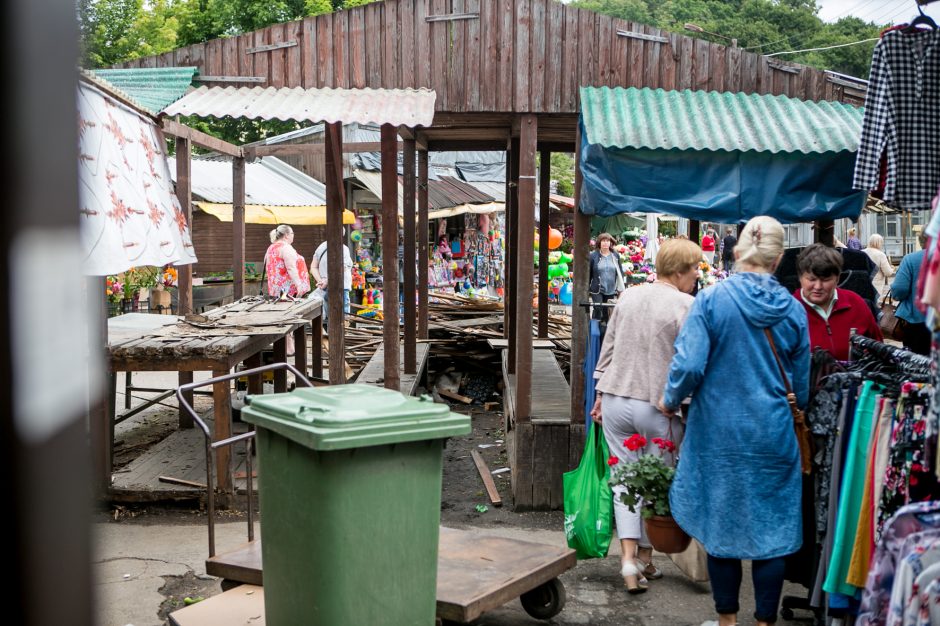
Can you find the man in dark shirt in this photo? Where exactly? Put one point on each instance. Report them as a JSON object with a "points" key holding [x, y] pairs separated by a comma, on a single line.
{"points": [[727, 250]]}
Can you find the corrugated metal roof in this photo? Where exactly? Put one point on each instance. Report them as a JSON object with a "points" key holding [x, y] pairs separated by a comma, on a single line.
{"points": [[154, 88], [268, 181], [445, 193], [711, 120], [406, 107]]}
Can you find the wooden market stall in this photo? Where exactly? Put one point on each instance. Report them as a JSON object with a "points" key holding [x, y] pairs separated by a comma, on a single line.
{"points": [[506, 74]]}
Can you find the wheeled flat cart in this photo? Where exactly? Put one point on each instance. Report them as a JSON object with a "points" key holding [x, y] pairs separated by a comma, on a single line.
{"points": [[475, 573]]}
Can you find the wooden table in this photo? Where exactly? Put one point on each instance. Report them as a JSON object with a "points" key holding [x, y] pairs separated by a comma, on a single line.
{"points": [[216, 342]]}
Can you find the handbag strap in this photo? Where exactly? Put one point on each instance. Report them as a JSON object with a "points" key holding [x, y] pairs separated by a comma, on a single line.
{"points": [[783, 374]]}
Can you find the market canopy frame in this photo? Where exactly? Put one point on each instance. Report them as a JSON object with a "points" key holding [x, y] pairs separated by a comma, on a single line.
{"points": [[487, 63], [395, 110]]}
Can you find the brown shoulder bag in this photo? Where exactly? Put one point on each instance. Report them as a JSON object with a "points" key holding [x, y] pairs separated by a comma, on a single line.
{"points": [[803, 437], [890, 325]]}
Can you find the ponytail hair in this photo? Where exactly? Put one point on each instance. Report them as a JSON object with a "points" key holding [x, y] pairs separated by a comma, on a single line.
{"points": [[761, 242], [280, 232]]}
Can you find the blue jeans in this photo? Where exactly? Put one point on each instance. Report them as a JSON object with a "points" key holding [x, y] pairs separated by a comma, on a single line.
{"points": [[767, 574]]}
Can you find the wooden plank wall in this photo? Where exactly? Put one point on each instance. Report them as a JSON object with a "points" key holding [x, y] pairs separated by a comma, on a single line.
{"points": [[213, 241], [539, 456], [517, 56]]}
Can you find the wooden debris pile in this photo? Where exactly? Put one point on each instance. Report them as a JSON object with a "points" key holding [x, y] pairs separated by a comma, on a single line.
{"points": [[458, 330]]}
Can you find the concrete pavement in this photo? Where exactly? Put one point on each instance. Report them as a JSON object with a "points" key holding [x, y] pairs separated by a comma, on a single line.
{"points": [[132, 558]]}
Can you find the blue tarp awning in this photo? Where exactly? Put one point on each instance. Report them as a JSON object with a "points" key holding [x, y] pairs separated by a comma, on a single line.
{"points": [[650, 151]]}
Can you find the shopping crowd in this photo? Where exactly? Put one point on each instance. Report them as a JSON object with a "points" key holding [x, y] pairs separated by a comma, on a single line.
{"points": [[663, 375]]}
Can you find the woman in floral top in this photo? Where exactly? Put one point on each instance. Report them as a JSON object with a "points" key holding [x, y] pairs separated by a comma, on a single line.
{"points": [[286, 270]]}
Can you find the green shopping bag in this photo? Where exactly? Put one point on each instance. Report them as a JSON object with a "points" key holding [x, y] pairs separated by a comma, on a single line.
{"points": [[589, 502]]}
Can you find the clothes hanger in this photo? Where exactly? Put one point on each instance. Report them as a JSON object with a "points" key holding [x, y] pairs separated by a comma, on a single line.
{"points": [[921, 20]]}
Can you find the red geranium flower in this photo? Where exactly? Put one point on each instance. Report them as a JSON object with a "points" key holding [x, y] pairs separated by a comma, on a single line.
{"points": [[635, 442], [612, 460]]}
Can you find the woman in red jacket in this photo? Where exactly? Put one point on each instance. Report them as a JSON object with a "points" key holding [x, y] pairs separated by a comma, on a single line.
{"points": [[831, 312], [708, 247]]}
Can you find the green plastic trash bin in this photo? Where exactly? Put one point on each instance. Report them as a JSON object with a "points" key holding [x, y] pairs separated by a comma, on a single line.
{"points": [[350, 488]]}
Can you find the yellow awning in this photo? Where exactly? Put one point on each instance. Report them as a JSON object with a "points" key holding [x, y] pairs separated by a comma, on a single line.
{"points": [[270, 214]]}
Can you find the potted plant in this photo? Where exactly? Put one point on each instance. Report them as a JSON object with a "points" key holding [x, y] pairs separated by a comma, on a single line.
{"points": [[159, 296], [137, 283], [647, 481], [114, 291]]}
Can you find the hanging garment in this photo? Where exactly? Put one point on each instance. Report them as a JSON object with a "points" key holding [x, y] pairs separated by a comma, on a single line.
{"points": [[850, 498], [900, 118], [917, 553], [907, 478], [864, 533], [922, 517]]}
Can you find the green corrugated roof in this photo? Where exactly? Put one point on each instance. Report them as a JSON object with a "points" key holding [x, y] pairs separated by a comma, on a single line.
{"points": [[154, 88], [712, 120]]}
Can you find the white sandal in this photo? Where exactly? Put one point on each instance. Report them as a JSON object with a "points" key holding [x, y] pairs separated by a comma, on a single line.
{"points": [[630, 569]]}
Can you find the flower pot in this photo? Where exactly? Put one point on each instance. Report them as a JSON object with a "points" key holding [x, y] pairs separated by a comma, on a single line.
{"points": [[160, 300], [665, 534]]}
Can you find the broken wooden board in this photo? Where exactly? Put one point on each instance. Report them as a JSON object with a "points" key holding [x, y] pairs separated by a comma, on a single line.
{"points": [[488, 482]]}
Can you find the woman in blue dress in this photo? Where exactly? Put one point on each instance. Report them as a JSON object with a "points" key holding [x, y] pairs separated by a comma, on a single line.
{"points": [[737, 486]]}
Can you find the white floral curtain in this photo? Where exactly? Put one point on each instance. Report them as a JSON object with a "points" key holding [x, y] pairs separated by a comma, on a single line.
{"points": [[130, 215]]}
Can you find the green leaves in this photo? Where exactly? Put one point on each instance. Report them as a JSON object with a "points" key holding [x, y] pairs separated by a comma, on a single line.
{"points": [[762, 26], [647, 481]]}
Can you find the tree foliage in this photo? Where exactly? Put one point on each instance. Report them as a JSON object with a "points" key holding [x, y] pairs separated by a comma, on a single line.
{"points": [[120, 30], [763, 26]]}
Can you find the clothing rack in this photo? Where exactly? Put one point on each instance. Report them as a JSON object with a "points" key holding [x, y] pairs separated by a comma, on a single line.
{"points": [[904, 360]]}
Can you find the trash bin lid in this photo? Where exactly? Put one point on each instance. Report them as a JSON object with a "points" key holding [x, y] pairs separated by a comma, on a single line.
{"points": [[340, 417]]}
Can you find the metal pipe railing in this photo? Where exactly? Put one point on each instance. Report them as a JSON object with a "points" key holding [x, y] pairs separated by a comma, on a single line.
{"points": [[214, 445]]}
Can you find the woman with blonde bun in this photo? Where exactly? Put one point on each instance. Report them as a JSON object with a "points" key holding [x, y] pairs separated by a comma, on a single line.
{"points": [[738, 483], [286, 270]]}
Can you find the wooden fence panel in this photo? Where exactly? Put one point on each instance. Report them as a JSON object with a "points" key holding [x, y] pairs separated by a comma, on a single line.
{"points": [[554, 43]]}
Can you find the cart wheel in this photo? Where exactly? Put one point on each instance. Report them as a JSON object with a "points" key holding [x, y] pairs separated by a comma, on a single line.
{"points": [[786, 613], [545, 601]]}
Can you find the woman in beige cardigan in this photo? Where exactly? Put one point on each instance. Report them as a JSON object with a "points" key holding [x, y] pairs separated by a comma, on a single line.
{"points": [[884, 269], [631, 375]]}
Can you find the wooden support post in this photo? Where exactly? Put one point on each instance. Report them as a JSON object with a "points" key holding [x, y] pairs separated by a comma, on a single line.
{"points": [[316, 347], [512, 211], [280, 356], [824, 232], [391, 343], [100, 418], [300, 350], [185, 196], [238, 226], [222, 411], [423, 252], [255, 383], [579, 315], [695, 231], [185, 419], [507, 258], [526, 242], [335, 203], [545, 175], [408, 256]]}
